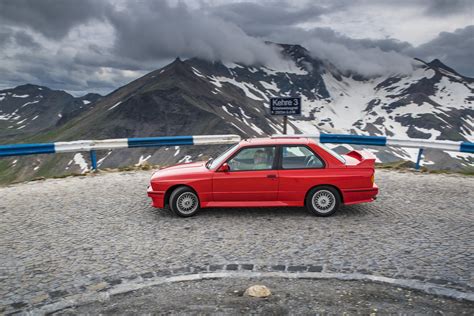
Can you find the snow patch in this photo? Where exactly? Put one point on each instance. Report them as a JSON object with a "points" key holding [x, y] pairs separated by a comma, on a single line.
{"points": [[217, 81], [197, 73], [185, 159], [285, 66], [101, 160], [142, 159], [81, 162], [31, 102], [115, 105]]}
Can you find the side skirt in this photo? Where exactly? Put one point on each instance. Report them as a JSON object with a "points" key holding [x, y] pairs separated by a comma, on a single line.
{"points": [[250, 204]]}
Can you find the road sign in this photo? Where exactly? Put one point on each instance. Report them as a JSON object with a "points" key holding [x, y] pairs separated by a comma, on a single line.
{"points": [[285, 106]]}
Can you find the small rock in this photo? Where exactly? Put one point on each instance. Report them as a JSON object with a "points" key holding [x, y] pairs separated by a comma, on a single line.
{"points": [[258, 291], [97, 286], [39, 298]]}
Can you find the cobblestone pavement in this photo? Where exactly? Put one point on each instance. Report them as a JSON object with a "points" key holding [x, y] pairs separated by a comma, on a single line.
{"points": [[67, 236]]}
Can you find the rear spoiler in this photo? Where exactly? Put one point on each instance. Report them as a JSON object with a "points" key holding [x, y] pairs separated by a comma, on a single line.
{"points": [[366, 159]]}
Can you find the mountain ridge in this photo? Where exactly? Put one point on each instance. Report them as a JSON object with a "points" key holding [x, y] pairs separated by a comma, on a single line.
{"points": [[193, 96]]}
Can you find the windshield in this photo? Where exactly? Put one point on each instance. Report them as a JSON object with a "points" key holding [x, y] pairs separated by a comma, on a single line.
{"points": [[213, 163], [333, 153]]}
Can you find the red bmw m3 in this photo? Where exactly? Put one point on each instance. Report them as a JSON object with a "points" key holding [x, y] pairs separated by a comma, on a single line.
{"points": [[268, 172]]}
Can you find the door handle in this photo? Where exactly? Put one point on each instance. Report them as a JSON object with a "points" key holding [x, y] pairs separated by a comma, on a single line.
{"points": [[271, 176]]}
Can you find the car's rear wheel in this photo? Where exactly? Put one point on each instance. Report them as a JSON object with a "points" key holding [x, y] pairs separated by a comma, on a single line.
{"points": [[323, 201], [184, 202]]}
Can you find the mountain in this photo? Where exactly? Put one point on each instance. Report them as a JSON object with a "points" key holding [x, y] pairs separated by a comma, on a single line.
{"points": [[193, 97], [29, 109]]}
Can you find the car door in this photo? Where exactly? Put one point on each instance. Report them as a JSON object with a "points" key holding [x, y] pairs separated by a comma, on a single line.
{"points": [[252, 176], [300, 169]]}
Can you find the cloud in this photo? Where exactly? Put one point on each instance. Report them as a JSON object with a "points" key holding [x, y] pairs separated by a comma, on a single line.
{"points": [[368, 62], [52, 18], [367, 57], [455, 49], [151, 30], [9, 37], [263, 18], [91, 45], [448, 7]]}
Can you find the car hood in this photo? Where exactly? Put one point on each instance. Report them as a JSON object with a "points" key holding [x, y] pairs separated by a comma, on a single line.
{"points": [[185, 168]]}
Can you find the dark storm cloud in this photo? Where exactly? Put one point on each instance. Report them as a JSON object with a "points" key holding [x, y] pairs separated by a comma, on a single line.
{"points": [[113, 38], [151, 30], [17, 37], [5, 37], [456, 49], [262, 18], [447, 7], [52, 18], [26, 40]]}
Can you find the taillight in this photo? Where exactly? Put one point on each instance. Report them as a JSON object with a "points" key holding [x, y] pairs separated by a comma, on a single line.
{"points": [[372, 178]]}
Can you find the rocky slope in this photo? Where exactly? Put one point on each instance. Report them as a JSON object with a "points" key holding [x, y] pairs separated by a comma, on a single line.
{"points": [[29, 109]]}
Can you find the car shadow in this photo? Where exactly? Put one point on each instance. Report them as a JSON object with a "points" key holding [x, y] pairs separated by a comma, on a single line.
{"points": [[358, 211]]}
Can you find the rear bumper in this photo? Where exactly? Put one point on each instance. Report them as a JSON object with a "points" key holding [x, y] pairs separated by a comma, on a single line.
{"points": [[355, 196], [157, 197]]}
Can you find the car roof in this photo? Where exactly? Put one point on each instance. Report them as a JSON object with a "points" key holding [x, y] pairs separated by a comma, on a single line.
{"points": [[290, 140]]}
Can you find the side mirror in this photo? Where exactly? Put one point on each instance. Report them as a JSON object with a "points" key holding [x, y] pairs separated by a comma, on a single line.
{"points": [[224, 168]]}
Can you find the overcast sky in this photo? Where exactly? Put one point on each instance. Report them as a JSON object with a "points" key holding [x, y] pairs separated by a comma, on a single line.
{"points": [[98, 45]]}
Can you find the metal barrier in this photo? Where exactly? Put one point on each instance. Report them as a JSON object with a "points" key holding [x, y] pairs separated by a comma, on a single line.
{"points": [[466, 147], [93, 145]]}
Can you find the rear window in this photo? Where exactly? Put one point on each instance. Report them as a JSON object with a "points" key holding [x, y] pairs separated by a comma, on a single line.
{"points": [[300, 157], [333, 153]]}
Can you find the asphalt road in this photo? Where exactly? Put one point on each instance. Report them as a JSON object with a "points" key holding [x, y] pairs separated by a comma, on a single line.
{"points": [[64, 237]]}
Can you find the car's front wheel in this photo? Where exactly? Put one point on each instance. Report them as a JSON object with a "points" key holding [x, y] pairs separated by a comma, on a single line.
{"points": [[323, 201], [184, 202]]}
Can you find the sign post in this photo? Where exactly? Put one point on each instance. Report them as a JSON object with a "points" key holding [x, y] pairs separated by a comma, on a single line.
{"points": [[285, 106]]}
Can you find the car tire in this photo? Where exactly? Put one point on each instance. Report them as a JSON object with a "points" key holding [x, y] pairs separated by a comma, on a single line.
{"points": [[323, 201], [184, 202]]}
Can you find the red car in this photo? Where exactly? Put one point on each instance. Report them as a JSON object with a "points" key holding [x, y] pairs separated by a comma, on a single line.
{"points": [[268, 172]]}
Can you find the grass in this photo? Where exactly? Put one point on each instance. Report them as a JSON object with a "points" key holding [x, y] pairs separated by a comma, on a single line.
{"points": [[410, 166]]}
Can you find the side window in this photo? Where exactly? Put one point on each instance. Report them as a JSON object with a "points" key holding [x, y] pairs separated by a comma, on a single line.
{"points": [[254, 158], [299, 157]]}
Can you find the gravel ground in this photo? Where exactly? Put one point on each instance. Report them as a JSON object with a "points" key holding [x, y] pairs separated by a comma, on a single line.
{"points": [[289, 297], [67, 236]]}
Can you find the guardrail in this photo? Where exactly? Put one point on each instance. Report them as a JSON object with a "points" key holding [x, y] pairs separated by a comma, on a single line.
{"points": [[93, 145], [466, 147]]}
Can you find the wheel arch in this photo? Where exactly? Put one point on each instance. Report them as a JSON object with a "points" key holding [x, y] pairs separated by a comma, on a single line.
{"points": [[174, 187], [325, 185]]}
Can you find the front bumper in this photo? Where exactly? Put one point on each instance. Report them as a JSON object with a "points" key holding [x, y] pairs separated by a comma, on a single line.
{"points": [[157, 197]]}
